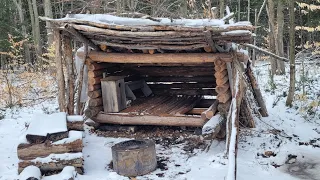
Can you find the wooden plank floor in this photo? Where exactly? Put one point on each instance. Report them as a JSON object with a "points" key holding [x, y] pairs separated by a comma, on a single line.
{"points": [[162, 105]]}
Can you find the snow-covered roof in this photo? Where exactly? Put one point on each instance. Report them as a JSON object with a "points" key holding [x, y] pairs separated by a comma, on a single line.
{"points": [[153, 33]]}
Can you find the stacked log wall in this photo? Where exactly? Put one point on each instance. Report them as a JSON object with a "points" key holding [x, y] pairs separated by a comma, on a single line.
{"points": [[223, 86]]}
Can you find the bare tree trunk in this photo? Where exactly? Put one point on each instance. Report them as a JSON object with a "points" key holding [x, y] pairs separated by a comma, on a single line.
{"points": [[31, 18], [70, 74], [222, 8], [249, 10], [37, 32], [292, 54], [239, 10], [23, 30], [48, 13], [279, 43], [272, 44]]}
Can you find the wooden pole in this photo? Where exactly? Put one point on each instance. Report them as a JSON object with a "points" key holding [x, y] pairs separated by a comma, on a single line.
{"points": [[80, 81], [60, 75], [70, 74]]}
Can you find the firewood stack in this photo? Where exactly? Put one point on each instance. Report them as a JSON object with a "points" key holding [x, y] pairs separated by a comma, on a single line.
{"points": [[51, 143]]}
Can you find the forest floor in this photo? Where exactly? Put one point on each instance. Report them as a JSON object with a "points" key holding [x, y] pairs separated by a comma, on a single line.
{"points": [[283, 146]]}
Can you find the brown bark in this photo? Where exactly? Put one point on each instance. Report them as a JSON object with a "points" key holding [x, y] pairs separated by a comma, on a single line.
{"points": [[223, 98], [90, 112], [150, 120], [279, 37], [95, 94], [292, 54], [223, 88], [32, 151], [94, 87], [156, 58], [76, 126], [210, 112], [70, 74], [60, 74], [37, 139], [257, 93], [55, 165], [95, 102]]}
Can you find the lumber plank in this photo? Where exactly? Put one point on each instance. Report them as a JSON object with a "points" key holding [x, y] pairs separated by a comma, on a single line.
{"points": [[150, 120], [189, 92]]}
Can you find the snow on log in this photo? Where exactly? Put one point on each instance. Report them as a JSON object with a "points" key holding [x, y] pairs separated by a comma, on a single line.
{"points": [[71, 144], [54, 162], [68, 173], [75, 122], [233, 126], [30, 173], [52, 127], [213, 126]]}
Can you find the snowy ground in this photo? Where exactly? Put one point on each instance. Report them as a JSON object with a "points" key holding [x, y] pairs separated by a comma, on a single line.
{"points": [[263, 151]]}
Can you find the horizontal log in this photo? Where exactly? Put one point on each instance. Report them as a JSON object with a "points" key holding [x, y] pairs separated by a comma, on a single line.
{"points": [[93, 30], [210, 112], [96, 66], [182, 85], [32, 151], [97, 73], [223, 98], [222, 81], [150, 120], [94, 87], [92, 111], [220, 74], [157, 58], [95, 94], [36, 139], [220, 68], [189, 92], [223, 88], [171, 64], [75, 125], [95, 102], [94, 81], [198, 79], [152, 46], [57, 163], [213, 29]]}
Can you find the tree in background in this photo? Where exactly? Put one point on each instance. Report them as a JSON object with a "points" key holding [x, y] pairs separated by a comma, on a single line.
{"points": [[292, 53]]}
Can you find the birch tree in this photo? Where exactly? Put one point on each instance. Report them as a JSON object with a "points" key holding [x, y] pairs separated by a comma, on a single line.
{"points": [[48, 13]]}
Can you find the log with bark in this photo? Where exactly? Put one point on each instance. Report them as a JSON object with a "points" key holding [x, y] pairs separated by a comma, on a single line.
{"points": [[92, 111], [95, 102], [115, 118], [53, 162], [33, 151], [210, 112], [213, 126], [95, 94]]}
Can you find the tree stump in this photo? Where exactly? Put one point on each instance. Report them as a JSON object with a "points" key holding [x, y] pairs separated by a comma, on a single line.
{"points": [[134, 157]]}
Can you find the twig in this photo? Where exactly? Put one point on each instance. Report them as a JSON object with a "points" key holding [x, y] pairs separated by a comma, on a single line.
{"points": [[265, 52]]}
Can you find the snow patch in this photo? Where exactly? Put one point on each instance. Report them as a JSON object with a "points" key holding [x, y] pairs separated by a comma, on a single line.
{"points": [[30, 172], [208, 128], [43, 124], [56, 157], [74, 118]]}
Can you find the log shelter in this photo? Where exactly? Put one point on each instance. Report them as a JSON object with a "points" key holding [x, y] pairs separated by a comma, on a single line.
{"points": [[173, 72]]}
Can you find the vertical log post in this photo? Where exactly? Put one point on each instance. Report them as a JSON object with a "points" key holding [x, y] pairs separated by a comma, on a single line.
{"points": [[80, 81], [60, 75], [70, 73]]}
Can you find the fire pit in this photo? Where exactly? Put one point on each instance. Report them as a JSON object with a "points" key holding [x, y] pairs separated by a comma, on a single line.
{"points": [[134, 157]]}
